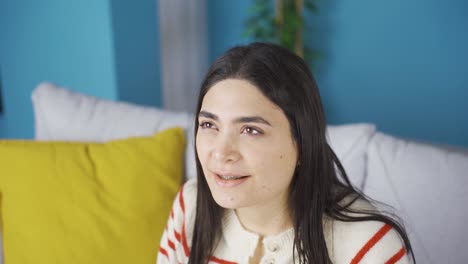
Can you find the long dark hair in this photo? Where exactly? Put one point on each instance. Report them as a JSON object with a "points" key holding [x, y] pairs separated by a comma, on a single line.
{"points": [[319, 185]]}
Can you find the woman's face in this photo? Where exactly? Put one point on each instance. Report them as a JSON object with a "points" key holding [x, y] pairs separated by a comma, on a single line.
{"points": [[245, 146]]}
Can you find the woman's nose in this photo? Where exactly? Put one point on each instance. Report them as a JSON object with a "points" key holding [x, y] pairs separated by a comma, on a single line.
{"points": [[226, 149]]}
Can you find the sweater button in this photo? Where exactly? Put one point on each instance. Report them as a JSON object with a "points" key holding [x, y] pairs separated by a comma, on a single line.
{"points": [[269, 261], [273, 247]]}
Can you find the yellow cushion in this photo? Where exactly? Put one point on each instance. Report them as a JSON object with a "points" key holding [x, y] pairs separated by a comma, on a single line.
{"points": [[64, 202]]}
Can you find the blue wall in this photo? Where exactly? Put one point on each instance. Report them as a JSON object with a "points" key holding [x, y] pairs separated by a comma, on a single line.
{"points": [[402, 65], [136, 50], [225, 25], [2, 127], [89, 46], [399, 64], [67, 42], [2, 123]]}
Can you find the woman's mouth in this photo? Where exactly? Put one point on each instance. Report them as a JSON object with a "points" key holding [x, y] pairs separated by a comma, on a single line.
{"points": [[225, 180]]}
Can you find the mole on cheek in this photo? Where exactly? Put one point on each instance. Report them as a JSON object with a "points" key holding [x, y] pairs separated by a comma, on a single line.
{"points": [[281, 156]]}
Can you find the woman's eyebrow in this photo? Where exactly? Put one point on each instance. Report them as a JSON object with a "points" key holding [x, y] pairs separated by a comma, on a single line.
{"points": [[208, 115], [242, 119], [252, 119]]}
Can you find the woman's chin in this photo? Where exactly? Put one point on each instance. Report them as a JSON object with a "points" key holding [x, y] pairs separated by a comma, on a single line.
{"points": [[229, 202]]}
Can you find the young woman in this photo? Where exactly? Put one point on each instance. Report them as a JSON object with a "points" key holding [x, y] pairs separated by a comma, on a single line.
{"points": [[269, 187]]}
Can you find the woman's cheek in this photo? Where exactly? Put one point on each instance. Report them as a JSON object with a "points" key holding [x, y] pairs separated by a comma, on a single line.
{"points": [[257, 155], [276, 158], [201, 145]]}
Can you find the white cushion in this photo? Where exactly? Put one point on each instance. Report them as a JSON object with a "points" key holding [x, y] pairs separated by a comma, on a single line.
{"points": [[428, 186], [349, 142], [61, 114]]}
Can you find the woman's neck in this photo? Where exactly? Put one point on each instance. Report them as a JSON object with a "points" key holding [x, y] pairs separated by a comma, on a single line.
{"points": [[267, 219]]}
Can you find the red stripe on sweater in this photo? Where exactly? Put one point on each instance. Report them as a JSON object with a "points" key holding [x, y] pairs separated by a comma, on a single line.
{"points": [[397, 256], [183, 235], [374, 239], [221, 261], [171, 244], [177, 235], [164, 252], [184, 240], [181, 199]]}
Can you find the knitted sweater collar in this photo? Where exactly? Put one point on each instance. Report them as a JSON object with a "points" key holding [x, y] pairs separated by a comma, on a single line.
{"points": [[241, 239]]}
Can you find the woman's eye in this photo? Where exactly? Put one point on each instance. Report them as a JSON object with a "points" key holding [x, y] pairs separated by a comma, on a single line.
{"points": [[251, 131], [207, 125]]}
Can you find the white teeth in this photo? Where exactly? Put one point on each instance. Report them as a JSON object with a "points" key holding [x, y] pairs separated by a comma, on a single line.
{"points": [[229, 177]]}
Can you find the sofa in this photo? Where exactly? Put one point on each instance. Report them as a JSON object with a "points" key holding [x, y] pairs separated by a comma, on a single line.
{"points": [[425, 184]]}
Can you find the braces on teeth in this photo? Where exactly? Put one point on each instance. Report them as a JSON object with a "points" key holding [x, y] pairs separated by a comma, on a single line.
{"points": [[230, 177]]}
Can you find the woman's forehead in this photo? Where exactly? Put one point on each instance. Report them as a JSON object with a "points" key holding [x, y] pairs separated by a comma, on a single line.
{"points": [[238, 97]]}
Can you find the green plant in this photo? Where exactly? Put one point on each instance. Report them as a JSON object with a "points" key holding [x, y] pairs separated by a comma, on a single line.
{"points": [[281, 22]]}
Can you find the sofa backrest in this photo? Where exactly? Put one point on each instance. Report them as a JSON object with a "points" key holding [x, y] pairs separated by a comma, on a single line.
{"points": [[428, 186]]}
